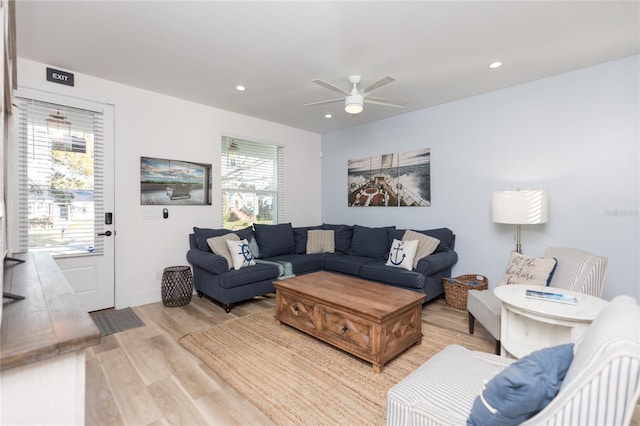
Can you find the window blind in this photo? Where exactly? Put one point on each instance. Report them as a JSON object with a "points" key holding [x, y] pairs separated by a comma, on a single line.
{"points": [[251, 180], [60, 178]]}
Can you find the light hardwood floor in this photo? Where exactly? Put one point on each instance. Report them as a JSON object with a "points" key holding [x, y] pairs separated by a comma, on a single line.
{"points": [[144, 377]]}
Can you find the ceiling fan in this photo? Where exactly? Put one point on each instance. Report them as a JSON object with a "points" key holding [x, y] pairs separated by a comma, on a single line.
{"points": [[355, 99]]}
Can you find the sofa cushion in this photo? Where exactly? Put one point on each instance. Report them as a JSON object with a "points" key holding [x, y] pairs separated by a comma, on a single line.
{"points": [[300, 237], [301, 263], [342, 235], [523, 269], [397, 277], [245, 233], [274, 240], [240, 254], [524, 388], [255, 250], [345, 264], [370, 242], [320, 241], [218, 245], [426, 244], [203, 234], [248, 276], [402, 253], [444, 235]]}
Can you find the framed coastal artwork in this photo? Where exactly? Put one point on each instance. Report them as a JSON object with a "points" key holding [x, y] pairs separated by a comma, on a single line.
{"points": [[391, 180], [174, 182]]}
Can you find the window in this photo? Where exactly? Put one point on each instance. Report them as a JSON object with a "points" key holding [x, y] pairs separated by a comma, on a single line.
{"points": [[251, 183], [59, 178]]}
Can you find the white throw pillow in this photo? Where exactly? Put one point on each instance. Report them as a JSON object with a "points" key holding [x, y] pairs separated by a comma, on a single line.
{"points": [[426, 244], [219, 246], [402, 253], [523, 269], [240, 254], [320, 241]]}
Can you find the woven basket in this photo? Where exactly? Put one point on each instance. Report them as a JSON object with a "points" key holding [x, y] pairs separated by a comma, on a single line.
{"points": [[177, 286], [456, 289]]}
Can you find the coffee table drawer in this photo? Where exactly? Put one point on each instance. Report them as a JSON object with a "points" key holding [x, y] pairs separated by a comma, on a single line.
{"points": [[350, 330], [295, 311]]}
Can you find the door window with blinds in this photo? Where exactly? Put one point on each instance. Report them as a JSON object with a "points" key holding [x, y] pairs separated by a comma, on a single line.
{"points": [[251, 183], [60, 178]]}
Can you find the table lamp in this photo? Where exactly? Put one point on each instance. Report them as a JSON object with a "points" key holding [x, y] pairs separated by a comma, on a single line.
{"points": [[526, 207]]}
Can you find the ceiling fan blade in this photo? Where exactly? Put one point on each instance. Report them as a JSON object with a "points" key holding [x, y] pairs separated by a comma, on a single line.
{"points": [[382, 101], [330, 86], [378, 84], [329, 101]]}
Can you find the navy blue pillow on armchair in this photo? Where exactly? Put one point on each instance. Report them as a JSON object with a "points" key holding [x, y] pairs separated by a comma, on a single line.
{"points": [[275, 240]]}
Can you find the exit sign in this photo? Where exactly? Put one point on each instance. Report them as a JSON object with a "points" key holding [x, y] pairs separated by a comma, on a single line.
{"points": [[60, 77]]}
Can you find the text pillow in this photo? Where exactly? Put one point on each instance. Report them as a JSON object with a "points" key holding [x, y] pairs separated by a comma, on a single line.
{"points": [[320, 242], [426, 244], [524, 388], [402, 253], [523, 269], [240, 254], [219, 246]]}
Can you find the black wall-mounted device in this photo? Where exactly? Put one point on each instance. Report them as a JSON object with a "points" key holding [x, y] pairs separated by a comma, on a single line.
{"points": [[165, 213]]}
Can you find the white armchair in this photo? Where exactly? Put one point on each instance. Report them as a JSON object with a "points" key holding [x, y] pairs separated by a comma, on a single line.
{"points": [[576, 270], [601, 386]]}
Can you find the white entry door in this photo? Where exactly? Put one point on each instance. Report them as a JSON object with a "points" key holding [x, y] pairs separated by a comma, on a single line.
{"points": [[93, 276], [66, 191]]}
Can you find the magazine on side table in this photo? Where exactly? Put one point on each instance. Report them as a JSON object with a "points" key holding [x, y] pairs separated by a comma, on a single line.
{"points": [[553, 297]]}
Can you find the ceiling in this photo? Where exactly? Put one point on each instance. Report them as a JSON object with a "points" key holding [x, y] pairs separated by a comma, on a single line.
{"points": [[439, 51]]}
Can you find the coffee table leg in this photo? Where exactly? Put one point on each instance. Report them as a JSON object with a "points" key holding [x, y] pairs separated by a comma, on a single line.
{"points": [[377, 368]]}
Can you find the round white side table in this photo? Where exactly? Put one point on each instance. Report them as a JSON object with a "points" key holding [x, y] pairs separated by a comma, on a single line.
{"points": [[529, 324]]}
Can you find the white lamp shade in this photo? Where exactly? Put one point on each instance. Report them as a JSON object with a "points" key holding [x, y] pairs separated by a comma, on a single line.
{"points": [[520, 207], [353, 104]]}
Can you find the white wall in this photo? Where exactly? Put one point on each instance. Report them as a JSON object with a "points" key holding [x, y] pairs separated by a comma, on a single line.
{"points": [[155, 125], [575, 135]]}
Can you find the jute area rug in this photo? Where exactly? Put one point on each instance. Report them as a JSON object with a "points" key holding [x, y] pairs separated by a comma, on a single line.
{"points": [[296, 379]]}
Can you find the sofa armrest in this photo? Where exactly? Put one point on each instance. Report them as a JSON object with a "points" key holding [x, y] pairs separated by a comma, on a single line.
{"points": [[208, 261], [435, 262]]}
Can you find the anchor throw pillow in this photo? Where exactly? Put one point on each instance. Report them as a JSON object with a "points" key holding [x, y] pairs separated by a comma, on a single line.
{"points": [[241, 255], [402, 253]]}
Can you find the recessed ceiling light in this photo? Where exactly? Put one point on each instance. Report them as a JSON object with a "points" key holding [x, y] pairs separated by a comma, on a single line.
{"points": [[494, 65], [240, 88], [328, 116]]}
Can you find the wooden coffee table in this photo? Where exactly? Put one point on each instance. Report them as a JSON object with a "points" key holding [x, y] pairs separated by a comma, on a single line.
{"points": [[372, 321]]}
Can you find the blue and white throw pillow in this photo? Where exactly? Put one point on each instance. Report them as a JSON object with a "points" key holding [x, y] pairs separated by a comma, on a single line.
{"points": [[524, 388], [241, 255], [402, 253]]}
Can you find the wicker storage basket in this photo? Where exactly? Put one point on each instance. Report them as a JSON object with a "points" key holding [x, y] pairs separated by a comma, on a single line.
{"points": [[456, 289]]}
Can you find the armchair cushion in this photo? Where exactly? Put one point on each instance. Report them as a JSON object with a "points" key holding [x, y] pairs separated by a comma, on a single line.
{"points": [[523, 389], [523, 269]]}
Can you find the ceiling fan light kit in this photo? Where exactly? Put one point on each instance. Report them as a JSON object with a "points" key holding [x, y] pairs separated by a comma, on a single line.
{"points": [[353, 104], [355, 99]]}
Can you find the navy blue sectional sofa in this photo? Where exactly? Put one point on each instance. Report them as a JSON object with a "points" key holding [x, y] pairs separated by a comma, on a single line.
{"points": [[281, 253]]}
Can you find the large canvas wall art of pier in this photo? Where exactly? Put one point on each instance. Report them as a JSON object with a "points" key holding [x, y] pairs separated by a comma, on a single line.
{"points": [[174, 182], [391, 180]]}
